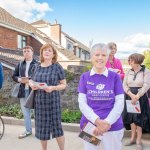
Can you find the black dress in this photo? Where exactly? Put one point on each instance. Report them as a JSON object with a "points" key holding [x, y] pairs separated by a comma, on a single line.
{"points": [[142, 120]]}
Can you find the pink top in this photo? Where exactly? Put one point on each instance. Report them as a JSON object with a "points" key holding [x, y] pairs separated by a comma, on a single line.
{"points": [[116, 65]]}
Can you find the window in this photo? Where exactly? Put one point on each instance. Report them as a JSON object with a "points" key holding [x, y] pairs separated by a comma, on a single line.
{"points": [[83, 53], [22, 41], [69, 46], [87, 56], [78, 52]]}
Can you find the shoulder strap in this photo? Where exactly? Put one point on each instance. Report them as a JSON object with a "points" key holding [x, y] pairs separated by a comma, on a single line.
{"points": [[20, 68]]}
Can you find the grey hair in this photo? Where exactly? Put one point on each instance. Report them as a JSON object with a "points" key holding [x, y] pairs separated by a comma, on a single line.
{"points": [[100, 46]]}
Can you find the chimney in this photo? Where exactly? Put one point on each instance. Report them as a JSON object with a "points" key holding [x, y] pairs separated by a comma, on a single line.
{"points": [[56, 32]]}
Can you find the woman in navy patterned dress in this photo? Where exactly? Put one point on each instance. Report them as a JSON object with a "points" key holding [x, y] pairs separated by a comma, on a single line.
{"points": [[47, 100]]}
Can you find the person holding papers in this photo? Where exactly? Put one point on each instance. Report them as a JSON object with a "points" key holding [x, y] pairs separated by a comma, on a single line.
{"points": [[101, 101], [22, 73], [48, 80], [113, 63], [136, 84]]}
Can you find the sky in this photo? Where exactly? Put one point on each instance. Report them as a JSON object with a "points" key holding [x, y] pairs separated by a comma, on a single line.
{"points": [[125, 22]]}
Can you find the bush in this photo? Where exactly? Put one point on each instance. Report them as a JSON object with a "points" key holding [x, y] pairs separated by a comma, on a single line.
{"points": [[87, 68], [69, 76], [13, 110], [147, 59], [71, 116]]}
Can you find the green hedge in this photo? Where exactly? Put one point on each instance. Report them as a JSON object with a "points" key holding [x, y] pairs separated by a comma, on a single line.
{"points": [[71, 116], [13, 110]]}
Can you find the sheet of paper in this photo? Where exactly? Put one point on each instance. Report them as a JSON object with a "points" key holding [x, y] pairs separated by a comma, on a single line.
{"points": [[40, 85], [114, 70], [87, 134], [133, 108], [89, 128], [24, 77]]}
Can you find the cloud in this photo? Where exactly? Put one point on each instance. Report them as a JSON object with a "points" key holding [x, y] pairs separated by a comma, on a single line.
{"points": [[136, 43], [27, 10]]}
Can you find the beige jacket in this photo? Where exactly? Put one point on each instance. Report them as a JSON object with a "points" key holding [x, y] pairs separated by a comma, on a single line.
{"points": [[142, 80]]}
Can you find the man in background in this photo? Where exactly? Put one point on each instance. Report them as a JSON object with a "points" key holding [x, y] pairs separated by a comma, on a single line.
{"points": [[22, 74]]}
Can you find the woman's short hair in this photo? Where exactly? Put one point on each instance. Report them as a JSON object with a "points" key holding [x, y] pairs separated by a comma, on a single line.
{"points": [[100, 46], [111, 44], [137, 58], [48, 46], [28, 47]]}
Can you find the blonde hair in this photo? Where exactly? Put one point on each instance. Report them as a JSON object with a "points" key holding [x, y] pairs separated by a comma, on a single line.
{"points": [[48, 46], [111, 44]]}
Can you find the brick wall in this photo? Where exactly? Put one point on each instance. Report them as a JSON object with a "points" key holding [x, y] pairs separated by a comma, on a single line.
{"points": [[35, 44], [8, 39]]}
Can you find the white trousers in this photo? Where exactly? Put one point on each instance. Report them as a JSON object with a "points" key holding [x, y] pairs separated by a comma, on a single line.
{"points": [[109, 141]]}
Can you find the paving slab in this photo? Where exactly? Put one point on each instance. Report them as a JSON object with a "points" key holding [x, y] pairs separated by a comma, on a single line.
{"points": [[10, 141], [73, 127]]}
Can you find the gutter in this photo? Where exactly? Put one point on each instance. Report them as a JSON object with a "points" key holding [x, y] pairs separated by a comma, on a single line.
{"points": [[8, 66]]}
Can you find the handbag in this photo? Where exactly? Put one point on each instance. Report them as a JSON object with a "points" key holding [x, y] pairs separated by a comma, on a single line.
{"points": [[16, 86], [30, 100], [15, 90], [148, 96]]}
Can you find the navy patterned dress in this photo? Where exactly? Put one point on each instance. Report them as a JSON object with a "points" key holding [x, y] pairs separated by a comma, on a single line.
{"points": [[47, 105]]}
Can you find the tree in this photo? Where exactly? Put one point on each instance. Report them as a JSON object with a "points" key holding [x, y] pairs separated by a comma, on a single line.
{"points": [[147, 58]]}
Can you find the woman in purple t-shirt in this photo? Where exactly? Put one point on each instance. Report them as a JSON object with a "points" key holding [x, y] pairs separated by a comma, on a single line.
{"points": [[101, 101]]}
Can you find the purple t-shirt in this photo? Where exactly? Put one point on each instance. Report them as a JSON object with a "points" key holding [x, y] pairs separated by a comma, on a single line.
{"points": [[100, 93]]}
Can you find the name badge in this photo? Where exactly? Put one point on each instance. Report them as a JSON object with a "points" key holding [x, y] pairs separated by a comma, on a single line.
{"points": [[90, 83]]}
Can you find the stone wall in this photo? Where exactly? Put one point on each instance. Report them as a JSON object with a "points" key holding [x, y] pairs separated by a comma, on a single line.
{"points": [[69, 96], [5, 92], [68, 63]]}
